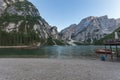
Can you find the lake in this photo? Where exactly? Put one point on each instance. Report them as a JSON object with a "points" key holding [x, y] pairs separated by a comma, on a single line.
{"points": [[52, 52]]}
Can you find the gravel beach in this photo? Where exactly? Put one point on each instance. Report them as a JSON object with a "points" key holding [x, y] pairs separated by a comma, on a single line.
{"points": [[58, 69]]}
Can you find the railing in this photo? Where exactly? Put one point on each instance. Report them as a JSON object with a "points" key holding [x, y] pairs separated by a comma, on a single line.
{"points": [[112, 42]]}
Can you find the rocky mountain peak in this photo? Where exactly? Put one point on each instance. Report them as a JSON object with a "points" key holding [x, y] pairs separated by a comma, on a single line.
{"points": [[104, 17], [18, 7], [90, 29]]}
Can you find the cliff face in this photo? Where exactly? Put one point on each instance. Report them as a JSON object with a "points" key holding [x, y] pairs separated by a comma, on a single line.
{"points": [[66, 34], [21, 16], [90, 29]]}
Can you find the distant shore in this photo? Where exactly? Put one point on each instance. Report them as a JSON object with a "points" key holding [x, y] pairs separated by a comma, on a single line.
{"points": [[19, 47], [14, 46]]}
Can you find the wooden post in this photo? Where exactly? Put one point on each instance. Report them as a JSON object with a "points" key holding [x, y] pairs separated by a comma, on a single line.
{"points": [[111, 52], [105, 51], [116, 51]]}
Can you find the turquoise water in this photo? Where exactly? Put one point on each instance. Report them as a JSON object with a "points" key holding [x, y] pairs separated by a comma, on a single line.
{"points": [[52, 51]]}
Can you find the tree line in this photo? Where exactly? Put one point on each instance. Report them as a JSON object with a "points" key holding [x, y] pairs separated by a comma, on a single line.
{"points": [[18, 38]]}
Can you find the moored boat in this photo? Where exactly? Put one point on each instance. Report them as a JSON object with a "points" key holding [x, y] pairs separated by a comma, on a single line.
{"points": [[104, 51]]}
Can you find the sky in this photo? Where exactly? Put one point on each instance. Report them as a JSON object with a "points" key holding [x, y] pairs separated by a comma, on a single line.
{"points": [[63, 13]]}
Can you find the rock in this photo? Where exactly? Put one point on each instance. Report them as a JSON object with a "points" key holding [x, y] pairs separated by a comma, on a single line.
{"points": [[54, 32], [67, 33]]}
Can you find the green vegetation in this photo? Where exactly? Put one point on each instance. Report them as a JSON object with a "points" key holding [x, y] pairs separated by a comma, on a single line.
{"points": [[25, 35], [78, 43], [23, 5], [51, 41], [16, 18], [18, 38], [59, 42]]}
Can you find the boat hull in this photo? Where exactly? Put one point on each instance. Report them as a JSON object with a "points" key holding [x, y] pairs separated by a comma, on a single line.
{"points": [[103, 51]]}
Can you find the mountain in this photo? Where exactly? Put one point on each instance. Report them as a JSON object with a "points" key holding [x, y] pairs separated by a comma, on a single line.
{"points": [[21, 24], [90, 29]]}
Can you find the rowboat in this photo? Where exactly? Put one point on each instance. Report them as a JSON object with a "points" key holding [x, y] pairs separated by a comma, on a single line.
{"points": [[104, 51]]}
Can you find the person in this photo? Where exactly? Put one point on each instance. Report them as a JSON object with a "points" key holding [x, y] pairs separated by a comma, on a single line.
{"points": [[102, 57]]}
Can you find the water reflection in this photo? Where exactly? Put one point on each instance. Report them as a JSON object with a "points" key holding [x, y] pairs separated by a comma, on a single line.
{"points": [[54, 51]]}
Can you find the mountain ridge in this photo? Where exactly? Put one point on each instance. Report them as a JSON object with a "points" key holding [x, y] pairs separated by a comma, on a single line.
{"points": [[90, 29]]}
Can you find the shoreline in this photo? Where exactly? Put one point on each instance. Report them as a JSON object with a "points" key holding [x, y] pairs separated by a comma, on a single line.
{"points": [[18, 47], [13, 46]]}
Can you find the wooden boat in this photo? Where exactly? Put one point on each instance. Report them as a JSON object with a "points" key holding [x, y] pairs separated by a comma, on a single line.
{"points": [[104, 51]]}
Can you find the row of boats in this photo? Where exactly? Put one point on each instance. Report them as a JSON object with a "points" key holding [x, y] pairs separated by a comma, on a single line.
{"points": [[104, 51]]}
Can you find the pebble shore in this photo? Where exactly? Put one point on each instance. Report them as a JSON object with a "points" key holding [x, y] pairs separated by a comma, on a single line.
{"points": [[58, 69]]}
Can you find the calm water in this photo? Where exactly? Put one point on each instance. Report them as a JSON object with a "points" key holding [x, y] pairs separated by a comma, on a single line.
{"points": [[52, 51]]}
